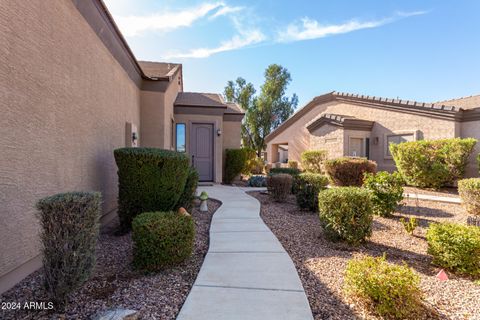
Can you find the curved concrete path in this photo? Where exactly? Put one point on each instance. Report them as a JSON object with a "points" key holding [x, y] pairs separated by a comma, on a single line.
{"points": [[246, 273]]}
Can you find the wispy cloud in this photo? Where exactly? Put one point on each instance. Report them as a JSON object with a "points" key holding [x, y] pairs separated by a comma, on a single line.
{"points": [[226, 10], [307, 28]]}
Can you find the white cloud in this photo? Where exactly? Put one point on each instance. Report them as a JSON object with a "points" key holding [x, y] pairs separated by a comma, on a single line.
{"points": [[312, 29], [226, 10]]}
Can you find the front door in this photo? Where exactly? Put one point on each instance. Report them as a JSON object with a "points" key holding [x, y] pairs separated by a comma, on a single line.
{"points": [[356, 147], [201, 150]]}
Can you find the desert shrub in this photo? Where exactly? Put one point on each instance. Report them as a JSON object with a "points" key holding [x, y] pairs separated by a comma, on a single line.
{"points": [[387, 191], [391, 291], [149, 179], [469, 190], [432, 163], [70, 224], [236, 161], [188, 194], [312, 160], [250, 161], [293, 164], [349, 171], [257, 181], [279, 186], [257, 166], [290, 171], [307, 187], [162, 239], [346, 213], [455, 247], [409, 225]]}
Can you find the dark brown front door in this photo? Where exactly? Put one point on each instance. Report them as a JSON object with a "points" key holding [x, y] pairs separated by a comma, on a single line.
{"points": [[201, 149]]}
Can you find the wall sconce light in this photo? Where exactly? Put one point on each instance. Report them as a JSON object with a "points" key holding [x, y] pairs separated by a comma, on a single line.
{"points": [[134, 137], [375, 141], [219, 132]]}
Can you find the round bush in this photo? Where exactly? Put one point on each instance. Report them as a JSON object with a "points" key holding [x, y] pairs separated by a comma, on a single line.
{"points": [[390, 290], [307, 187], [149, 179], [188, 194], [349, 171], [346, 213], [162, 239], [386, 190], [455, 247], [469, 190], [312, 160], [279, 186]]}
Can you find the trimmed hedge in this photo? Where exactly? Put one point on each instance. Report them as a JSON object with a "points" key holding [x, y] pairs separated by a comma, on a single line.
{"points": [[279, 186], [349, 171], [312, 160], [162, 239], [387, 191], [346, 213], [469, 191], [188, 194], [236, 162], [432, 163], [290, 171], [149, 179], [455, 247], [70, 224], [307, 187], [391, 291]]}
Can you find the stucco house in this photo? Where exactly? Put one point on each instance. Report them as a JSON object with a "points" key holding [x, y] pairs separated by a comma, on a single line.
{"points": [[355, 125], [71, 91]]}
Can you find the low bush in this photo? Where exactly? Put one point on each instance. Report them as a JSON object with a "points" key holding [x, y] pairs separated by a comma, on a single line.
{"points": [[387, 191], [162, 239], [346, 213], [455, 247], [293, 164], [307, 187], [349, 171], [290, 171], [279, 186], [149, 179], [70, 224], [257, 181], [312, 160], [389, 290], [432, 163], [188, 194], [236, 162], [469, 190]]}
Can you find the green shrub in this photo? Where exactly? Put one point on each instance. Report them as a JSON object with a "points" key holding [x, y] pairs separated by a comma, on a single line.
{"points": [[293, 164], [349, 171], [236, 162], [387, 191], [432, 163], [279, 186], [257, 181], [188, 194], [391, 291], [162, 239], [149, 179], [469, 190], [455, 247], [346, 213], [257, 166], [250, 161], [290, 171], [312, 160], [409, 225], [70, 224], [307, 187]]}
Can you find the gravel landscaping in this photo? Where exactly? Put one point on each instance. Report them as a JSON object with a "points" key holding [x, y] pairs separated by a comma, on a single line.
{"points": [[321, 263], [115, 284], [443, 192]]}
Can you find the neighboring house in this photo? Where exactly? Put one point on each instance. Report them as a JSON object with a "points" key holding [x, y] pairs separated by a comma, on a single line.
{"points": [[71, 92], [363, 126]]}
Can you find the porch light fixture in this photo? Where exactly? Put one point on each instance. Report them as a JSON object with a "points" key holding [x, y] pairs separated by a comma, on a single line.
{"points": [[375, 141], [219, 132], [134, 137]]}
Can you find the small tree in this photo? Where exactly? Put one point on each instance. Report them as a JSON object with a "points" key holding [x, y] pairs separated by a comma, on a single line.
{"points": [[313, 160]]}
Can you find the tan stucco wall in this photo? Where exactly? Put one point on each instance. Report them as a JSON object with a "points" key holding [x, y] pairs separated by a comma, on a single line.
{"points": [[471, 129], [328, 138], [65, 102], [152, 131], [232, 131]]}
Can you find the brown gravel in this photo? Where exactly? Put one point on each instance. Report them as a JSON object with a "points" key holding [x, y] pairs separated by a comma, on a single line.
{"points": [[115, 284], [444, 192], [321, 263]]}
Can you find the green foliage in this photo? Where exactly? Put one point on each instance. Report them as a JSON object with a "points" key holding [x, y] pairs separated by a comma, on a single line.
{"points": [[391, 291], [469, 191], [346, 213], [293, 164], [307, 187], [432, 163], [455, 247], [236, 162], [279, 186], [257, 181], [149, 179], [162, 239], [313, 160], [265, 112], [257, 166], [349, 171], [188, 194], [409, 225], [250, 161], [387, 191], [70, 224], [290, 171]]}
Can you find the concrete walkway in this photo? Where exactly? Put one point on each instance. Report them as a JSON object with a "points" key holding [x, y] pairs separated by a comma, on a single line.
{"points": [[246, 273]]}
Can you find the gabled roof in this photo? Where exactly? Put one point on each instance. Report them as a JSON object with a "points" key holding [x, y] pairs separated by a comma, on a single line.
{"points": [[199, 102], [347, 122]]}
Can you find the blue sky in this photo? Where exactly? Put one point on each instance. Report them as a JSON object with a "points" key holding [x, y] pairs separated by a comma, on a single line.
{"points": [[411, 49]]}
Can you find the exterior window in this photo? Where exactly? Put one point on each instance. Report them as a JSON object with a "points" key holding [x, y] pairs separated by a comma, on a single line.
{"points": [[180, 137], [397, 138]]}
